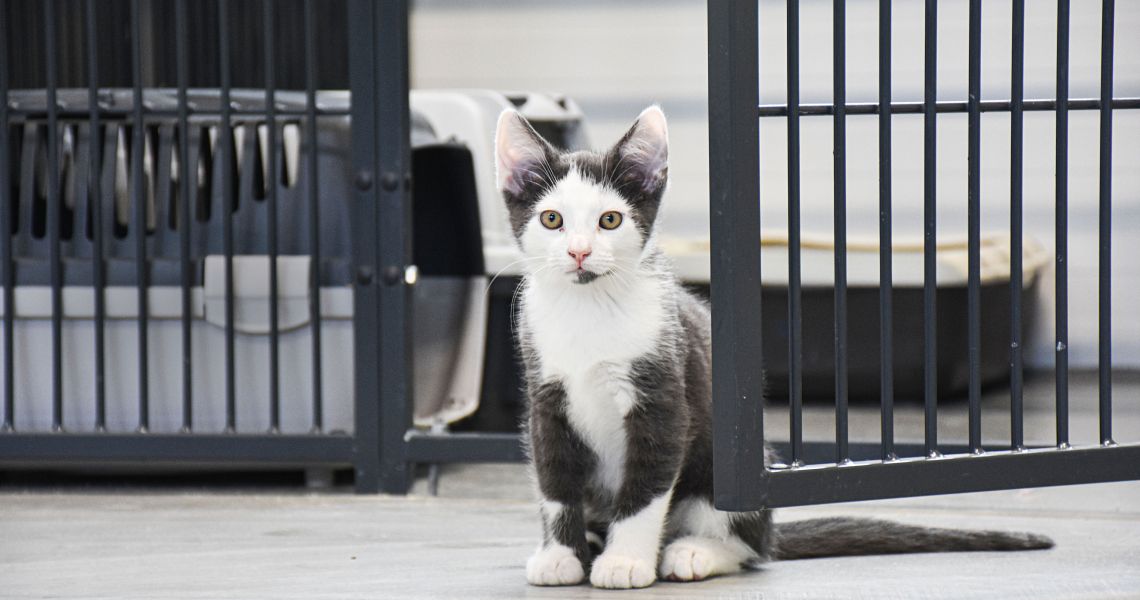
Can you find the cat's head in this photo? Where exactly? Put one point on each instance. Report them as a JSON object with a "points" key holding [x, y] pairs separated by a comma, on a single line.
{"points": [[578, 216]]}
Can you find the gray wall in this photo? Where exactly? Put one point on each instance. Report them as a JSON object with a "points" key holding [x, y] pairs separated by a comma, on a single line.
{"points": [[616, 57]]}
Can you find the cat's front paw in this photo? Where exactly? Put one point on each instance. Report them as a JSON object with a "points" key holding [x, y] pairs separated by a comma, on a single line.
{"points": [[685, 562], [554, 565], [621, 572]]}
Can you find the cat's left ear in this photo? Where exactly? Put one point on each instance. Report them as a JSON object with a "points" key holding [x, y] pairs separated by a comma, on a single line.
{"points": [[642, 154], [520, 153]]}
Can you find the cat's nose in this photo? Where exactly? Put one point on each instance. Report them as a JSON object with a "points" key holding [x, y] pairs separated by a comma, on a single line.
{"points": [[580, 255]]}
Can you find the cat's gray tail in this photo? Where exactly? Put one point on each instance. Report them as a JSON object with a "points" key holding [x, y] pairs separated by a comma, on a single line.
{"points": [[850, 536]]}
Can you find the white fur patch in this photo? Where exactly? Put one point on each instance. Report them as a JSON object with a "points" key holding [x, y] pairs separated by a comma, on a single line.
{"points": [[695, 558], [554, 564], [696, 516], [630, 558], [596, 409], [705, 545]]}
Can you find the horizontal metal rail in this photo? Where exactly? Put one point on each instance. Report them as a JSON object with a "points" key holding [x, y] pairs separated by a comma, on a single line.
{"points": [[424, 447], [949, 106], [45, 449], [16, 113], [950, 474]]}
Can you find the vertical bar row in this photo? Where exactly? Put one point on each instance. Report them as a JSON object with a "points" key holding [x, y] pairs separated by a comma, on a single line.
{"points": [[795, 335], [930, 231], [54, 222], [1016, 180], [973, 193], [226, 137], [314, 208], [739, 473], [7, 278], [839, 143], [1105, 280], [185, 222], [95, 201], [269, 16], [886, 355], [138, 199], [1062, 225]]}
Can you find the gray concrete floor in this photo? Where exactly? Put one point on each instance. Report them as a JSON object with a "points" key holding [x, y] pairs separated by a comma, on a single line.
{"points": [[472, 541]]}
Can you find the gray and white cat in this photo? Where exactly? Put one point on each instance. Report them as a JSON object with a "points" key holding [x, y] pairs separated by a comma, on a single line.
{"points": [[618, 376]]}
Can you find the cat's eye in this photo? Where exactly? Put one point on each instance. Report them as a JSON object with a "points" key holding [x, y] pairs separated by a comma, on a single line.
{"points": [[551, 219], [610, 220]]}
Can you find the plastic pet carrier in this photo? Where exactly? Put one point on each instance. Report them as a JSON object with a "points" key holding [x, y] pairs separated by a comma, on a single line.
{"points": [[312, 280]]}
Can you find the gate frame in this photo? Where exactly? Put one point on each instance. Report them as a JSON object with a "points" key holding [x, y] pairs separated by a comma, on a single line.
{"points": [[381, 245], [741, 479]]}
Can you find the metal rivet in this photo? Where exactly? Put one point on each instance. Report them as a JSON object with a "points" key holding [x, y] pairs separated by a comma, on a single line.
{"points": [[389, 181], [363, 180], [393, 275], [364, 275]]}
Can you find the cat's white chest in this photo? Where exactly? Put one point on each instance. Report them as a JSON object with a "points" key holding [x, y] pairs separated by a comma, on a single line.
{"points": [[576, 331], [589, 342], [596, 404]]}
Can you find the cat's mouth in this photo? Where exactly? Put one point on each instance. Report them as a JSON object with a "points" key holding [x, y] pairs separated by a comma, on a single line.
{"points": [[584, 276]]}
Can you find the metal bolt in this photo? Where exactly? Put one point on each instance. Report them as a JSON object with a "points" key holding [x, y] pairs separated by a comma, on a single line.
{"points": [[364, 275], [393, 275], [363, 180], [389, 181]]}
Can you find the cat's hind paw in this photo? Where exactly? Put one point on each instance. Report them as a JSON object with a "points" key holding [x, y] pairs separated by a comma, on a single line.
{"points": [[685, 562], [621, 572], [554, 565], [694, 559]]}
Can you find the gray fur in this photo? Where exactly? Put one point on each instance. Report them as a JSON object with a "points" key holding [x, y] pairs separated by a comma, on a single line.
{"points": [[848, 536]]}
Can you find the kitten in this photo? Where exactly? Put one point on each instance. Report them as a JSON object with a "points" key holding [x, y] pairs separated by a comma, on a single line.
{"points": [[618, 374]]}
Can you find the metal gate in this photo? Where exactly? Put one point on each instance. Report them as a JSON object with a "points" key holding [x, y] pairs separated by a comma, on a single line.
{"points": [[742, 480], [177, 215]]}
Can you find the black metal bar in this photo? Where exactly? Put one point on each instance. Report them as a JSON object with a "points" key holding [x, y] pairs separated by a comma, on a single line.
{"points": [[236, 111], [464, 447], [739, 476], [996, 470], [269, 18], [46, 449], [7, 267], [95, 212], [54, 222], [930, 232], [1062, 226], [1016, 180], [914, 108], [974, 280], [395, 240], [365, 291], [1105, 281], [185, 222], [795, 317], [226, 137], [314, 209], [425, 447], [886, 281], [839, 143], [138, 198]]}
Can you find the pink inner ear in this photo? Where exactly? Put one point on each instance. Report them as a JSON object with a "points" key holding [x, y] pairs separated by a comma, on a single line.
{"points": [[648, 147], [517, 152]]}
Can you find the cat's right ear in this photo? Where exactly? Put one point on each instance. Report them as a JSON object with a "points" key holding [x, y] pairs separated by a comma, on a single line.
{"points": [[520, 153]]}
